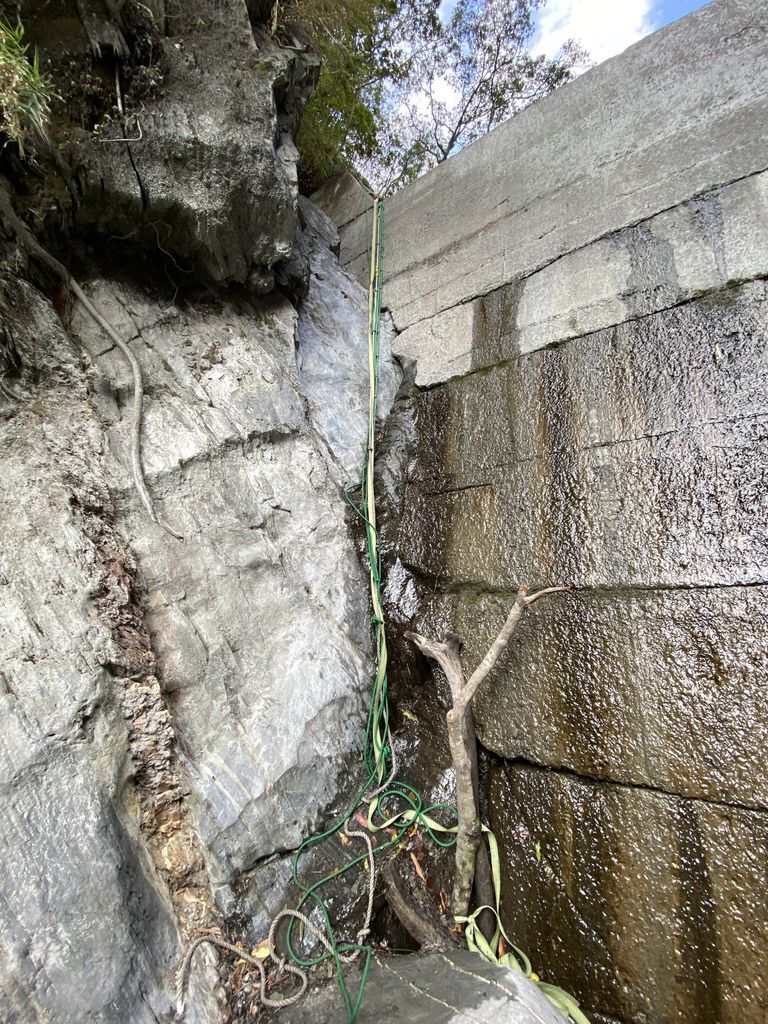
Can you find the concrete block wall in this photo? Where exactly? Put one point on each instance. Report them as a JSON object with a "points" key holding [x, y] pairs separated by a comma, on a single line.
{"points": [[583, 294]]}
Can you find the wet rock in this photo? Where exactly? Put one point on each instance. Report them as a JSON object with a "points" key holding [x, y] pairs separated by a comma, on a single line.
{"points": [[630, 463], [439, 988], [333, 351], [643, 904], [258, 615], [174, 712], [631, 457], [87, 923], [696, 248], [610, 519]]}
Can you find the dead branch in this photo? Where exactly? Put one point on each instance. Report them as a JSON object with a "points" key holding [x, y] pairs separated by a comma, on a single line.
{"points": [[463, 744], [523, 600], [446, 654]]}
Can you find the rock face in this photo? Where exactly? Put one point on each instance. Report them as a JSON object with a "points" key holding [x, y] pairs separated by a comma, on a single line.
{"points": [[333, 347], [89, 775], [176, 710], [645, 897], [201, 163], [175, 713], [591, 336], [436, 988]]}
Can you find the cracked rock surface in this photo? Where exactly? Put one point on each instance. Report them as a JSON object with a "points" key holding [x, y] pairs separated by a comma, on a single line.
{"points": [[435, 988], [173, 711], [201, 162]]}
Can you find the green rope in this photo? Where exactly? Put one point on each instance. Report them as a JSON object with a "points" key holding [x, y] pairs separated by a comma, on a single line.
{"points": [[394, 805]]}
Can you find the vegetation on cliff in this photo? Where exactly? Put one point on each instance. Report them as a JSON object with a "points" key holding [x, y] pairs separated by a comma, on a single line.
{"points": [[403, 88], [25, 91]]}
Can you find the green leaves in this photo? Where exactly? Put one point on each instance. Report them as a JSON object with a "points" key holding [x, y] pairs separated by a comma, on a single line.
{"points": [[363, 45], [25, 91]]}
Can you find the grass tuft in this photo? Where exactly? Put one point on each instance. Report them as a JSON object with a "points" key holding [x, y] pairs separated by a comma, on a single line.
{"points": [[25, 91]]}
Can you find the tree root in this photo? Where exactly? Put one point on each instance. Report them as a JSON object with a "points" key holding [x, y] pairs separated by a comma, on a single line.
{"points": [[421, 922], [36, 251]]}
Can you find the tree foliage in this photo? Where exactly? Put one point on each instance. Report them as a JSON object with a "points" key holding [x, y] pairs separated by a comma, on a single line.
{"points": [[476, 72], [401, 89], [364, 49]]}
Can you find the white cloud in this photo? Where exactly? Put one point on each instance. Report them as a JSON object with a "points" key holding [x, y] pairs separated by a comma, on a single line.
{"points": [[602, 27]]}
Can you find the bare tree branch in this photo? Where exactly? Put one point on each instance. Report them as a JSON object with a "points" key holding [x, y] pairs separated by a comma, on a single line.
{"points": [[463, 745], [523, 600]]}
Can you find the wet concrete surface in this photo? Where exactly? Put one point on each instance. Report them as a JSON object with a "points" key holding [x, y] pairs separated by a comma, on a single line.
{"points": [[648, 907], [632, 457], [653, 688], [626, 723]]}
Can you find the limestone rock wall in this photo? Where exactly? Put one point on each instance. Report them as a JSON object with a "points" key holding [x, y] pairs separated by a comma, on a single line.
{"points": [[582, 298], [176, 712], [175, 715]]}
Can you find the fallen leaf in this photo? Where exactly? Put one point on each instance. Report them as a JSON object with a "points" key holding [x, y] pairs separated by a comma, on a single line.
{"points": [[261, 952], [417, 868], [408, 714]]}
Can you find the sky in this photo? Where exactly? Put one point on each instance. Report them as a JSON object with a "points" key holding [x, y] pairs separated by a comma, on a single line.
{"points": [[605, 27]]}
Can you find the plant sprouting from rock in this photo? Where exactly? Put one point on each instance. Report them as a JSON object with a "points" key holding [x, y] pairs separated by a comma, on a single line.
{"points": [[25, 91]]}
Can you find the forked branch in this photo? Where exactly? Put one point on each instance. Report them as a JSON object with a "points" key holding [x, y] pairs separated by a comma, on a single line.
{"points": [[523, 600], [463, 741]]}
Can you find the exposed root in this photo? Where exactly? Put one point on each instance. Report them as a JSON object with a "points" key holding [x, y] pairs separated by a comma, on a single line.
{"points": [[28, 242]]}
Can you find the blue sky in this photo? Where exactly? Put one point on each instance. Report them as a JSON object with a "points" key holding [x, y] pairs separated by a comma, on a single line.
{"points": [[606, 27], [603, 27]]}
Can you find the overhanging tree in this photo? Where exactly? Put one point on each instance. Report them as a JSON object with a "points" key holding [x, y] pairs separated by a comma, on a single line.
{"points": [[366, 47], [401, 90], [474, 72]]}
